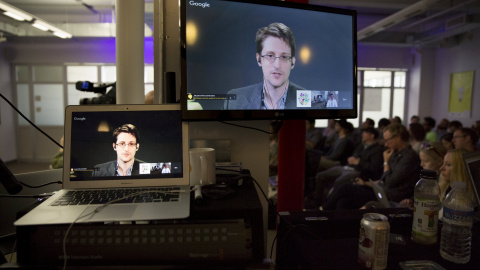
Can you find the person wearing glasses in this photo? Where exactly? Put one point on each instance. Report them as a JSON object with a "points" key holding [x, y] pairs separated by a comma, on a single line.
{"points": [[401, 171], [276, 56], [125, 141], [465, 138]]}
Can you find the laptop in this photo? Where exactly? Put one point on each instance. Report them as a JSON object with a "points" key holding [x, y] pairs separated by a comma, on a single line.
{"points": [[92, 154], [472, 164], [380, 194]]}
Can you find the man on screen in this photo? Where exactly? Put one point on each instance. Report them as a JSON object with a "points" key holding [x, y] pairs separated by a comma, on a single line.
{"points": [[126, 144], [276, 56]]}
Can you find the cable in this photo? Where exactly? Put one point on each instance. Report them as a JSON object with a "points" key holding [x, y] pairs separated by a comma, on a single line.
{"points": [[277, 127], [31, 123], [42, 185], [26, 196]]}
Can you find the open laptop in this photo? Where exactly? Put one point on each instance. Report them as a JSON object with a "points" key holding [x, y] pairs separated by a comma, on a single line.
{"points": [[472, 163], [380, 194], [90, 163]]}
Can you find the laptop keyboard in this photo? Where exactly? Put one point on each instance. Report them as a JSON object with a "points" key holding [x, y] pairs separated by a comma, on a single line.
{"points": [[147, 195]]}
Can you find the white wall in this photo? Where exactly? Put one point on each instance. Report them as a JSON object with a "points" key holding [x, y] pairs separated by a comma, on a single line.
{"points": [[460, 58]]}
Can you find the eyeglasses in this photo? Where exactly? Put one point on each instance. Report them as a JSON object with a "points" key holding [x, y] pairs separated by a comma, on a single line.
{"points": [[123, 144], [271, 58], [427, 146], [387, 140]]}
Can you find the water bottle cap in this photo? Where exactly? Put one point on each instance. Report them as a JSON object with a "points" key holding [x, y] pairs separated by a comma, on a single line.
{"points": [[459, 185], [428, 174]]}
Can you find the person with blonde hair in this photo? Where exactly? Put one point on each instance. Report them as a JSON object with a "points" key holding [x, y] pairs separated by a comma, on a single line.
{"points": [[453, 169]]}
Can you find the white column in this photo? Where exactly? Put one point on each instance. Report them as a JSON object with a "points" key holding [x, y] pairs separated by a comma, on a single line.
{"points": [[130, 51]]}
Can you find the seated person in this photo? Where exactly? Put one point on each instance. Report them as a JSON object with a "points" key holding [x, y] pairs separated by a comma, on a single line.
{"points": [[401, 171], [367, 159], [341, 149]]}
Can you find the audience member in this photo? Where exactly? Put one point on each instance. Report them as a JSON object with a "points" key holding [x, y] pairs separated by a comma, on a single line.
{"points": [[454, 125], [447, 141], [414, 119], [431, 158], [382, 123], [342, 147], [401, 172], [396, 119], [314, 138], [357, 134], [453, 169], [465, 138], [417, 135], [442, 128], [429, 125], [366, 160], [329, 135]]}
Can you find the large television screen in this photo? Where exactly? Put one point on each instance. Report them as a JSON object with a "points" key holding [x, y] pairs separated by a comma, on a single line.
{"points": [[247, 60]]}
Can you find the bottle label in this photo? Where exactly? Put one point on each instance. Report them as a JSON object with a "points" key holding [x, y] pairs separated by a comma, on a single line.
{"points": [[425, 216], [458, 217]]}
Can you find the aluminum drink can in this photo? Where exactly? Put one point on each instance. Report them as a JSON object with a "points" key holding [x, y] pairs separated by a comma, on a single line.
{"points": [[373, 241]]}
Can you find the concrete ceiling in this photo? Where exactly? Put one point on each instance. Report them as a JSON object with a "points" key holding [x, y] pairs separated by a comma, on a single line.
{"points": [[386, 22]]}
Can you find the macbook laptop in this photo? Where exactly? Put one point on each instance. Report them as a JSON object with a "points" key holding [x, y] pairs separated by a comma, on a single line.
{"points": [[101, 141], [380, 194], [472, 164]]}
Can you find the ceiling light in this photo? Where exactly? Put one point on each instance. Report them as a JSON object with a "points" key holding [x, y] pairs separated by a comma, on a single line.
{"points": [[21, 15], [40, 25], [14, 12], [62, 34]]}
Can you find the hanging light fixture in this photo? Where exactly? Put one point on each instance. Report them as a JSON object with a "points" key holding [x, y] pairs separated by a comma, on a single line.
{"points": [[38, 23]]}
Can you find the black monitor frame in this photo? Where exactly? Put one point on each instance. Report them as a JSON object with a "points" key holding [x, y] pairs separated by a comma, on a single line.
{"points": [[218, 114]]}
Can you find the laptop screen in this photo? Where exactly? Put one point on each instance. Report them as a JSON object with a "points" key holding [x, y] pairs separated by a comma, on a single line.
{"points": [[472, 164], [125, 145]]}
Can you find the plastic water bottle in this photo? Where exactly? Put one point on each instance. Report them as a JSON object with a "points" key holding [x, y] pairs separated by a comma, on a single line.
{"points": [[456, 239], [426, 204]]}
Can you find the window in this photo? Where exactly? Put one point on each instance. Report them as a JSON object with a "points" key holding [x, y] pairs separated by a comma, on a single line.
{"points": [[381, 94]]}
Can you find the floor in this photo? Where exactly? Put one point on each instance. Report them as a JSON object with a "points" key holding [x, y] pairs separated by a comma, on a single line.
{"points": [[17, 167]]}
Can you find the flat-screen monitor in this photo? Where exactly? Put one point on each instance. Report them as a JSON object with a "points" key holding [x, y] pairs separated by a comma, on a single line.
{"points": [[247, 60]]}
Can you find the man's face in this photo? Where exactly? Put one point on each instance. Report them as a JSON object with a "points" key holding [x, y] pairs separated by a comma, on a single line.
{"points": [[277, 72], [367, 137], [130, 146], [459, 140], [391, 142]]}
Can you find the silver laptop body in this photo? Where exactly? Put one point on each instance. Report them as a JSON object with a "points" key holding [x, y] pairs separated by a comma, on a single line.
{"points": [[472, 164], [161, 152]]}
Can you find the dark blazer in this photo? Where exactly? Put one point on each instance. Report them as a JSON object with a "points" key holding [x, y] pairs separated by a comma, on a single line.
{"points": [[108, 168], [250, 97]]}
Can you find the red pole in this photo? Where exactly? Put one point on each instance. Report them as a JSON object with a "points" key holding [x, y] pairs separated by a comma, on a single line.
{"points": [[291, 165]]}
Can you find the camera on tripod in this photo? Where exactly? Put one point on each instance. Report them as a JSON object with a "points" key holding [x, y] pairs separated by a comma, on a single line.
{"points": [[106, 97]]}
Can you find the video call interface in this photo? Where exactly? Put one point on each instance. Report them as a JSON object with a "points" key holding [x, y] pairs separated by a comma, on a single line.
{"points": [[157, 152], [220, 53]]}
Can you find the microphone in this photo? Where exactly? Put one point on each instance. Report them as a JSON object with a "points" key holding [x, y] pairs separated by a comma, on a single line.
{"points": [[198, 195], [8, 180]]}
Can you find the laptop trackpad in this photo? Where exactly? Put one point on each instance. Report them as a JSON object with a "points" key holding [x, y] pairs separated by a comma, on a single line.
{"points": [[108, 213]]}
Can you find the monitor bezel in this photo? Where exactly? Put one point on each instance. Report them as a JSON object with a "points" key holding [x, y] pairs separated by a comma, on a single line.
{"points": [[287, 114]]}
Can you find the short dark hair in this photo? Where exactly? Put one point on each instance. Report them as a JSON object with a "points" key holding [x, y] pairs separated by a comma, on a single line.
{"points": [[456, 124], [417, 131], [371, 130], [471, 133], [430, 121], [370, 122], [383, 122], [126, 128], [278, 30]]}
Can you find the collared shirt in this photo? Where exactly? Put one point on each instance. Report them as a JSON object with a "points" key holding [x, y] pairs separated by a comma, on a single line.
{"points": [[129, 171], [280, 104]]}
